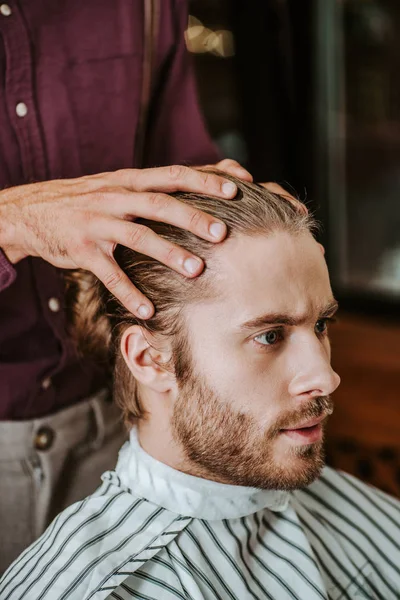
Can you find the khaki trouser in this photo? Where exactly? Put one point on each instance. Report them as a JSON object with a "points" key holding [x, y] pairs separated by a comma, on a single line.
{"points": [[47, 464]]}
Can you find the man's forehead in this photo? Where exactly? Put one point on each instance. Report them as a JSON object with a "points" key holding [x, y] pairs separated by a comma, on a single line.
{"points": [[279, 273]]}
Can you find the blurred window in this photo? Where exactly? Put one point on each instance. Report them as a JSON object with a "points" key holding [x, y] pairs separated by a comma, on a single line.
{"points": [[359, 117]]}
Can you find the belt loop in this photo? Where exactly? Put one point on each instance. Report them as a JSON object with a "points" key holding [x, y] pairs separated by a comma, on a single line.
{"points": [[96, 404]]}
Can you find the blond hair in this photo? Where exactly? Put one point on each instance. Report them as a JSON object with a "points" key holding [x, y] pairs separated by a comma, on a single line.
{"points": [[98, 319]]}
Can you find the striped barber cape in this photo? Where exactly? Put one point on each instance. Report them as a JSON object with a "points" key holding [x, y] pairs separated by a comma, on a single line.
{"points": [[153, 533]]}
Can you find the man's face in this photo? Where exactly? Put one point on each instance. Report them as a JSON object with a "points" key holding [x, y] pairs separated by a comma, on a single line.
{"points": [[258, 366]]}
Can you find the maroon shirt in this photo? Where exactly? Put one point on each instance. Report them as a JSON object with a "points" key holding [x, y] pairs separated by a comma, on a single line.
{"points": [[77, 67]]}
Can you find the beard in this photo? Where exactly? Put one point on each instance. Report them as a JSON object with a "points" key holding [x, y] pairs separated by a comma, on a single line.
{"points": [[227, 445]]}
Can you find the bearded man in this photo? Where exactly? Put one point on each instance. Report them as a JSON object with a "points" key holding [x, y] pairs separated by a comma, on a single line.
{"points": [[221, 491]]}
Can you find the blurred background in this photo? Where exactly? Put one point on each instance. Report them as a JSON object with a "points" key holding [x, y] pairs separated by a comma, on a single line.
{"points": [[308, 94]]}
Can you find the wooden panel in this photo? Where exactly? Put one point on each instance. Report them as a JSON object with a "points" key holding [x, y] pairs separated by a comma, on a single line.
{"points": [[364, 430]]}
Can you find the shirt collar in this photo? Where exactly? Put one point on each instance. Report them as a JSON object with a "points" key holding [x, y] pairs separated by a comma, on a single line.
{"points": [[188, 495]]}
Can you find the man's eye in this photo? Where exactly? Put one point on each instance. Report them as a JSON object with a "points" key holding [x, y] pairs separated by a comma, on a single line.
{"points": [[269, 338], [321, 326]]}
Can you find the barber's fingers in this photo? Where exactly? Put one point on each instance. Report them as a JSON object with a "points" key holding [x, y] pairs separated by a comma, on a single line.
{"points": [[275, 188], [156, 206], [144, 240], [141, 239], [118, 283], [174, 179], [232, 167]]}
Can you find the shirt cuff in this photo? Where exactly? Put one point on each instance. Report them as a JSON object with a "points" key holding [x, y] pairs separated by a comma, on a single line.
{"points": [[7, 272]]}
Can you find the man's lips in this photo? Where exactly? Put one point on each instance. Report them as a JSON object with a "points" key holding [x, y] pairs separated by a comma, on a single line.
{"points": [[309, 423], [307, 432]]}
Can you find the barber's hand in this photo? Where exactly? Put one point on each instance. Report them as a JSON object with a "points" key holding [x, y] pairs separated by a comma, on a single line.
{"points": [[275, 188], [77, 223], [234, 168]]}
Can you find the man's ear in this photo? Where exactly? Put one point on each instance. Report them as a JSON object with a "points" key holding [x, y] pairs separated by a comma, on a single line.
{"points": [[146, 362]]}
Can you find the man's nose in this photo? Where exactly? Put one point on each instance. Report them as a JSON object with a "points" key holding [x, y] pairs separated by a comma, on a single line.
{"points": [[314, 375]]}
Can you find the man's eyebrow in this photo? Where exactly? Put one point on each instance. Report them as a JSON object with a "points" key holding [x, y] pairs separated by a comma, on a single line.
{"points": [[283, 319], [330, 309]]}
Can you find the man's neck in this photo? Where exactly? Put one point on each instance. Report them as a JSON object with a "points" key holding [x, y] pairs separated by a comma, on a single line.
{"points": [[156, 439]]}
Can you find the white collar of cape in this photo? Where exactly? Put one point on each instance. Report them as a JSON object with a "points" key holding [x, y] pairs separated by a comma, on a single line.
{"points": [[162, 502]]}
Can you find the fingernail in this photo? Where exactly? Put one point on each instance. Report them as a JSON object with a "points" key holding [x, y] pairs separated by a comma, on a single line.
{"points": [[229, 189], [191, 265], [217, 230], [243, 173], [143, 311]]}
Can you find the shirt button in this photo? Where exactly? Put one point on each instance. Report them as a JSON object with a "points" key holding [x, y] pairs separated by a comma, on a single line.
{"points": [[44, 438], [54, 305], [46, 383], [5, 10], [21, 109]]}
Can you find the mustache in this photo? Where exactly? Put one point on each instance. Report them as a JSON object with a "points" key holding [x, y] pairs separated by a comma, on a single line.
{"points": [[318, 407]]}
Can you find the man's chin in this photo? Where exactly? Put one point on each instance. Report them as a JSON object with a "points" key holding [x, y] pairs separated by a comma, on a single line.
{"points": [[299, 468], [290, 469]]}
